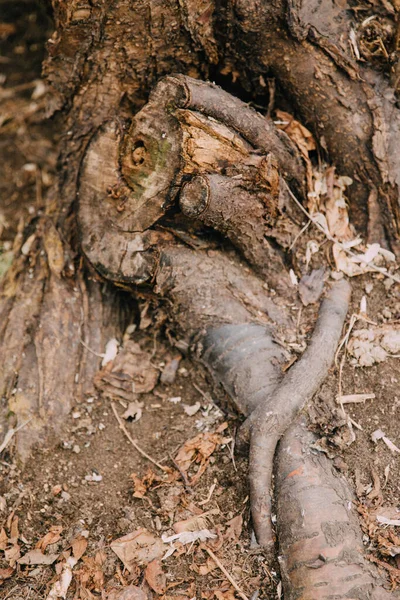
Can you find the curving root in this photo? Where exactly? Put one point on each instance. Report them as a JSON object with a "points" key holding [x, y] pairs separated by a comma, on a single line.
{"points": [[269, 421]]}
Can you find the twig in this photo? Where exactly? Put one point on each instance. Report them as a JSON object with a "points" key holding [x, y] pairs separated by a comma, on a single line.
{"points": [[134, 443], [10, 434], [225, 572], [332, 239], [100, 355], [182, 473]]}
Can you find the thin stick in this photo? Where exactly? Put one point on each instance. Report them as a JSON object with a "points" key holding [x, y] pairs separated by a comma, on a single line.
{"points": [[225, 572], [100, 355], [10, 434], [332, 239], [134, 443]]}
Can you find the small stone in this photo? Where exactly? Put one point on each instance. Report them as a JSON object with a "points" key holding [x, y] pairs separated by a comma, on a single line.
{"points": [[76, 449]]}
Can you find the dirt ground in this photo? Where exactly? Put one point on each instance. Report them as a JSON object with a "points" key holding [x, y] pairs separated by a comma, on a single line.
{"points": [[92, 486]]}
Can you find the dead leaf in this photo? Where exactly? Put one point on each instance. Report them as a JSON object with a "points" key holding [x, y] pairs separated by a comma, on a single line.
{"points": [[337, 216], [139, 547], [79, 546], [128, 593], [51, 537], [301, 136], [193, 524], [60, 587], [111, 351], [36, 557], [228, 595], [5, 574], [198, 450], [90, 576], [12, 524], [205, 568], [141, 486], [3, 539], [191, 409], [12, 554], [169, 371], [128, 374], [155, 577], [134, 411], [234, 528], [311, 286], [188, 537]]}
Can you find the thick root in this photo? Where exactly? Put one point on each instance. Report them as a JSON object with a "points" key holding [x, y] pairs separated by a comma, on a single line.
{"points": [[271, 418], [320, 539]]}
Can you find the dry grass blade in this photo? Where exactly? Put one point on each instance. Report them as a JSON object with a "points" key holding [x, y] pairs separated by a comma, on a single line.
{"points": [[134, 443]]}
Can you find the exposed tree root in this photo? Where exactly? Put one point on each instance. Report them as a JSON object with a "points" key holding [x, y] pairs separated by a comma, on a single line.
{"points": [[277, 408], [320, 539], [270, 419]]}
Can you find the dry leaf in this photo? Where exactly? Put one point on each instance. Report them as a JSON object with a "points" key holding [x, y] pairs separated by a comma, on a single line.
{"points": [[12, 524], [111, 351], [205, 568], [311, 286], [139, 547], [198, 450], [51, 537], [129, 373], [188, 537], [234, 528], [3, 539], [60, 587], [193, 524], [5, 574], [155, 577], [192, 409], [36, 557], [141, 486], [12, 554], [128, 593], [90, 575], [134, 411], [169, 371], [301, 136], [79, 546]]}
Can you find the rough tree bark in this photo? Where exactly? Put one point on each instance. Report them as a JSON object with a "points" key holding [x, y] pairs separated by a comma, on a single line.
{"points": [[103, 60]]}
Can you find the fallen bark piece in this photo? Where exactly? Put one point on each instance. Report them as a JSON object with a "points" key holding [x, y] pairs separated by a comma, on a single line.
{"points": [[320, 539], [270, 419]]}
